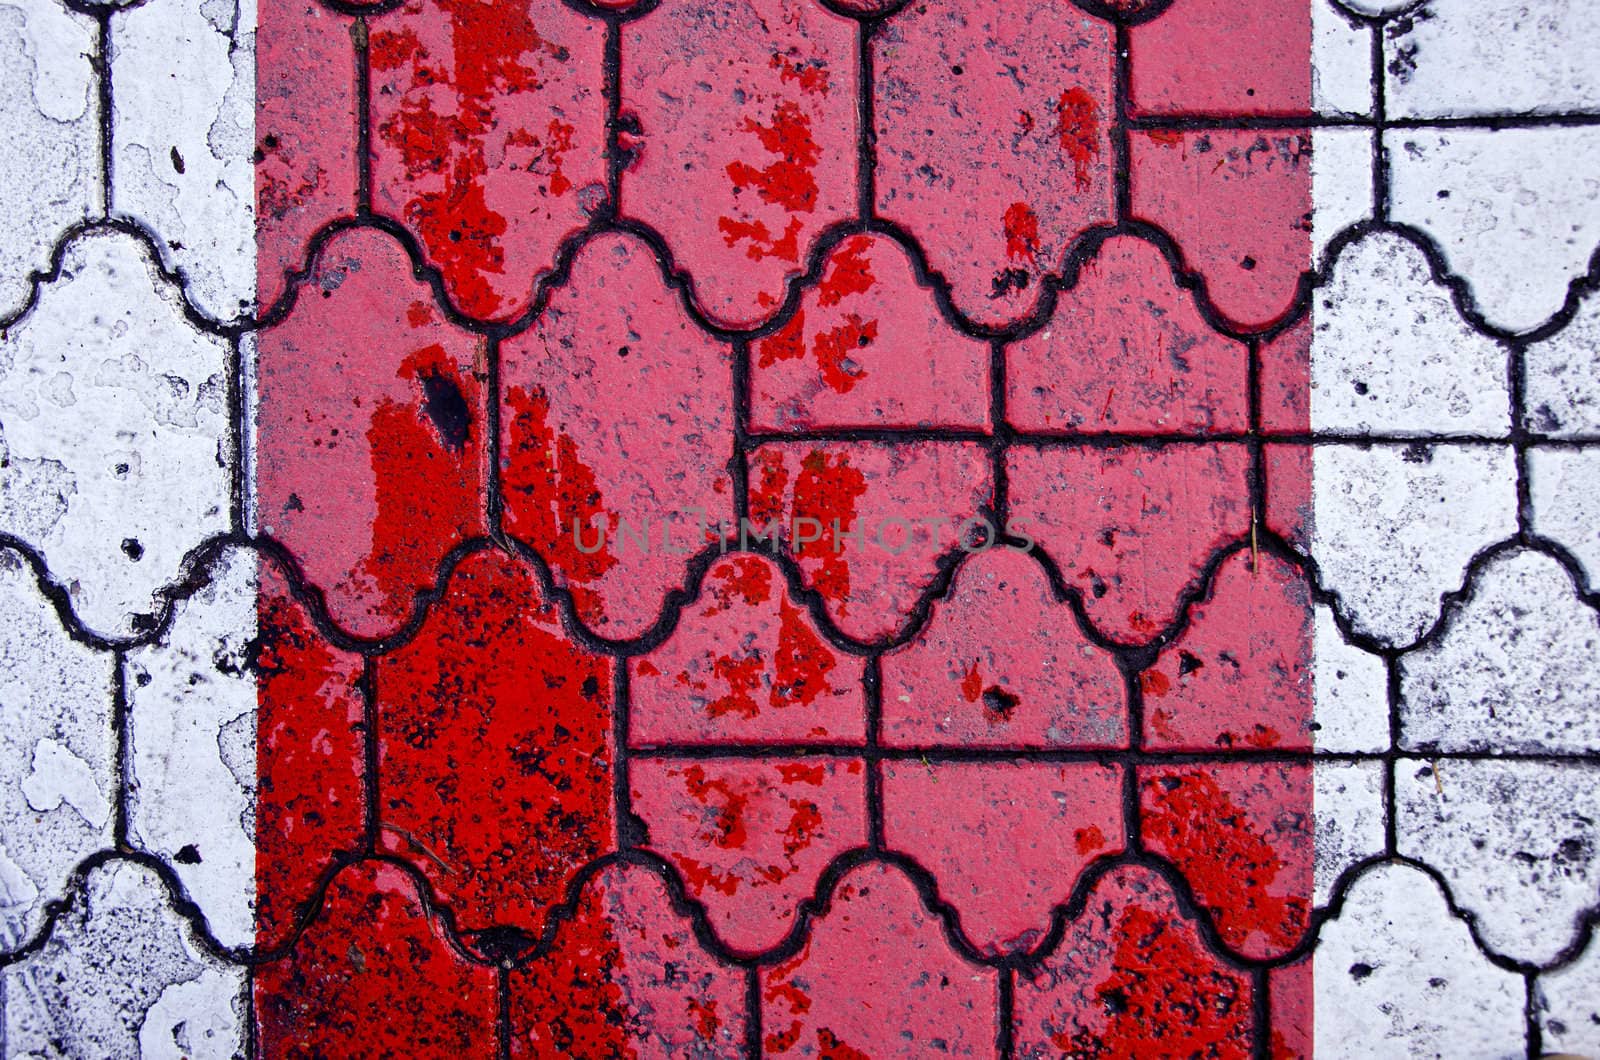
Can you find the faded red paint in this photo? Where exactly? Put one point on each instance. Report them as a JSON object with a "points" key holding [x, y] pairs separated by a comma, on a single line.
{"points": [[750, 837], [1002, 663], [1131, 528], [877, 942], [868, 348], [1241, 834], [370, 433], [616, 347], [1240, 674], [746, 665], [488, 138], [1035, 825], [951, 81], [745, 147], [494, 746], [1126, 350], [906, 500], [1133, 977], [626, 977], [1222, 57], [337, 992], [309, 739]]}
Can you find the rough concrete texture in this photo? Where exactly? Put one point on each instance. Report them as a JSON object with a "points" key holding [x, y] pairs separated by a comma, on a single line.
{"points": [[799, 528]]}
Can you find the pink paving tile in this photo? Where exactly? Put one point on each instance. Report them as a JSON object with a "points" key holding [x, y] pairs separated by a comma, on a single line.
{"points": [[372, 943], [1240, 673], [626, 977], [868, 348], [1131, 528], [1133, 977], [1285, 379], [1241, 835], [370, 432], [488, 133], [993, 145], [877, 942], [741, 121], [1219, 57], [618, 422], [306, 129], [1006, 841], [751, 838], [1127, 350], [1002, 663], [1238, 203], [310, 727], [746, 665], [494, 749], [907, 502]]}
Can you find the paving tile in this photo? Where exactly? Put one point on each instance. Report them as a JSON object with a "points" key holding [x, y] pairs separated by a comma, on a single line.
{"points": [[1512, 669], [1238, 204], [1210, 57], [370, 433], [615, 348], [1002, 663], [1130, 528], [868, 348], [1563, 504], [305, 134], [908, 504], [993, 147], [1395, 525], [116, 460], [1241, 672], [1516, 842], [123, 975], [57, 802], [741, 123], [1350, 709], [626, 975], [531, 711], [1563, 376], [1348, 813], [1242, 836], [1127, 350], [374, 942], [1473, 57], [182, 138], [1389, 352], [1452, 183], [750, 837], [192, 736], [488, 129], [1005, 841], [1568, 1005], [1133, 977], [746, 665], [1396, 975], [877, 941], [49, 103]]}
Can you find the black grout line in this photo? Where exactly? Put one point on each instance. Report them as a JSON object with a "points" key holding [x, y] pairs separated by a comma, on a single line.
{"points": [[362, 61], [1261, 1011], [372, 814], [101, 61], [872, 751], [752, 1012], [122, 749], [1006, 1014]]}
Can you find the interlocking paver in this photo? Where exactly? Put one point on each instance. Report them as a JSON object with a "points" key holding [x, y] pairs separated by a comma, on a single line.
{"points": [[1563, 505]]}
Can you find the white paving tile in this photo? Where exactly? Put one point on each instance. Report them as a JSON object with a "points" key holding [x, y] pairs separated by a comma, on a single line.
{"points": [[1341, 62], [183, 131], [113, 425], [1517, 842], [56, 740], [1569, 1005], [1389, 352], [1351, 711], [1347, 800], [49, 109], [1514, 669], [1397, 976], [1341, 184], [1563, 376], [1514, 211], [122, 976], [192, 698], [1397, 524], [1562, 485], [1463, 57]]}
